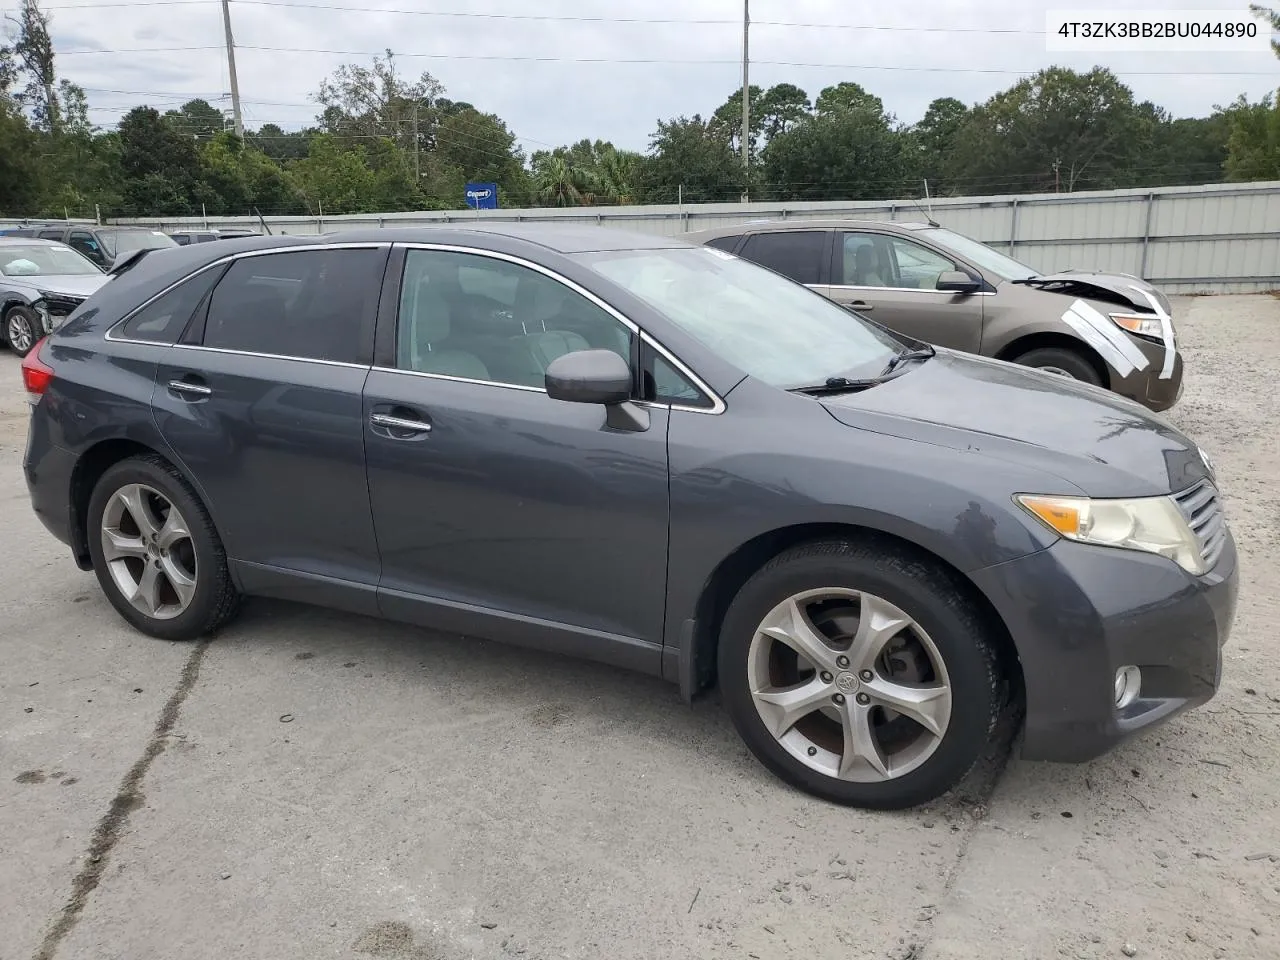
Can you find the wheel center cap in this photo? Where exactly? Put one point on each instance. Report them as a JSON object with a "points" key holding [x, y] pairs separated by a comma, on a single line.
{"points": [[847, 682]]}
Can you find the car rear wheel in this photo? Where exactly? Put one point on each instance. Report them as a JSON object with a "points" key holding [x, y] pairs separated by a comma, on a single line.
{"points": [[861, 673], [1061, 361], [22, 328], [156, 553]]}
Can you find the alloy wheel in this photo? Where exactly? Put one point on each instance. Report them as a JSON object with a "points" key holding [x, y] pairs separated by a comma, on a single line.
{"points": [[19, 333], [147, 546], [849, 684]]}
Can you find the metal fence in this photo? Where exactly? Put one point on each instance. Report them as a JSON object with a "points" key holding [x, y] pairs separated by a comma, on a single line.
{"points": [[1218, 238]]}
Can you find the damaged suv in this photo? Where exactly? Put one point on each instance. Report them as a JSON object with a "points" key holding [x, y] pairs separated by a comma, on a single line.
{"points": [[933, 284]]}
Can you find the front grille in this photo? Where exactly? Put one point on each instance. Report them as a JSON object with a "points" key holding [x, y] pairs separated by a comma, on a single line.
{"points": [[1202, 507], [62, 305]]}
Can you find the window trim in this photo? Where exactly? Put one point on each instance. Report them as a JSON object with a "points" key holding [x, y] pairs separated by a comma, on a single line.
{"points": [[225, 263], [718, 404]]}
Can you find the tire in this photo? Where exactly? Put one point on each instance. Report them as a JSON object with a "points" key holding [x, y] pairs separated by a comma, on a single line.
{"points": [[812, 752], [1062, 361], [188, 590], [22, 328]]}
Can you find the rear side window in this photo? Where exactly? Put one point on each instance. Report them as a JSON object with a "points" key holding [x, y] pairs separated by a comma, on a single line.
{"points": [[309, 304], [793, 253], [725, 243], [50, 234], [164, 319]]}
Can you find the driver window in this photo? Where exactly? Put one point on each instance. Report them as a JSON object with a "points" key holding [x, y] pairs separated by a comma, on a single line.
{"points": [[85, 243], [481, 318]]}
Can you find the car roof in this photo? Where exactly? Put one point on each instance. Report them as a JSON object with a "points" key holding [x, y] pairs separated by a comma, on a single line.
{"points": [[560, 237], [773, 226], [28, 241]]}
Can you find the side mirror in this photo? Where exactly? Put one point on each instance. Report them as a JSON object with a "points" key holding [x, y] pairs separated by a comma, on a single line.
{"points": [[597, 376], [957, 281], [589, 376]]}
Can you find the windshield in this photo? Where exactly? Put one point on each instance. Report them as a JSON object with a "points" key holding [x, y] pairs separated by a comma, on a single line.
{"points": [[775, 330], [127, 241], [39, 260], [980, 254]]}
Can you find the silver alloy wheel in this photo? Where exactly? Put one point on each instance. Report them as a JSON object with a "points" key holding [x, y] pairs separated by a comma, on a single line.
{"points": [[147, 546], [19, 332], [849, 685]]}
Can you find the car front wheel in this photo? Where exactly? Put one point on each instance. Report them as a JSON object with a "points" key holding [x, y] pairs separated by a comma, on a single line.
{"points": [[861, 673], [1062, 362], [156, 553], [22, 328]]}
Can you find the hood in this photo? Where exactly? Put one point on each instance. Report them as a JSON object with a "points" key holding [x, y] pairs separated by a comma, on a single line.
{"points": [[1094, 440], [1118, 288], [72, 286]]}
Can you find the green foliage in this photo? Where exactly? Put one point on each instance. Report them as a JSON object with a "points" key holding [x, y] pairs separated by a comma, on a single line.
{"points": [[693, 158], [1253, 144], [1272, 16]]}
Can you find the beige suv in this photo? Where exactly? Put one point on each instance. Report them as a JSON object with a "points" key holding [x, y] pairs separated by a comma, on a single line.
{"points": [[939, 286]]}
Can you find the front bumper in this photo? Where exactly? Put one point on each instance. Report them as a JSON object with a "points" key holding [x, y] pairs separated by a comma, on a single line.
{"points": [[1078, 613]]}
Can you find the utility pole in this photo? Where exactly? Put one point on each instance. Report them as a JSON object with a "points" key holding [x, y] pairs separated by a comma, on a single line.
{"points": [[746, 100], [231, 68]]}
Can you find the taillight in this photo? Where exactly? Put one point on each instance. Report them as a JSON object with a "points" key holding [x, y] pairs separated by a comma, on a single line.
{"points": [[36, 374]]}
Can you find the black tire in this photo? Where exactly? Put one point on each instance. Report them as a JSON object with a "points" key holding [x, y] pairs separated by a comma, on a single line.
{"points": [[22, 329], [925, 591], [215, 599], [1063, 359]]}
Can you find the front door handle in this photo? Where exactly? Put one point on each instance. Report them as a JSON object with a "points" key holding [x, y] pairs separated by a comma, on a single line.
{"points": [[188, 389], [861, 305], [399, 423]]}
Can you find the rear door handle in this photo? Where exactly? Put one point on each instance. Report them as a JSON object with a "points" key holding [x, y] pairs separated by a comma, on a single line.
{"points": [[188, 389], [399, 423]]}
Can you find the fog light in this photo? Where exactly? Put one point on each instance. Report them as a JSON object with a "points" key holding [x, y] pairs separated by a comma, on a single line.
{"points": [[1128, 684]]}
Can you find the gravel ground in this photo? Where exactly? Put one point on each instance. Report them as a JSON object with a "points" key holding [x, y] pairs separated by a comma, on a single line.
{"points": [[317, 785]]}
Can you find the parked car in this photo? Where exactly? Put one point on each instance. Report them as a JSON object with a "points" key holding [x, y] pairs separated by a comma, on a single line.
{"points": [[41, 283], [104, 245], [648, 453], [928, 282], [185, 237]]}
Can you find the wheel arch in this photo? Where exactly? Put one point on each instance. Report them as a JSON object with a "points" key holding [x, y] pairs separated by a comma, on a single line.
{"points": [[700, 637], [1059, 341]]}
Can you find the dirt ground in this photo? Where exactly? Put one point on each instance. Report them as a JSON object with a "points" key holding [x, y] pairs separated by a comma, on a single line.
{"points": [[317, 785]]}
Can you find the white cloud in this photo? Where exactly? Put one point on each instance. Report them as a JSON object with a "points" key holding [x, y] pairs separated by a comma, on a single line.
{"points": [[558, 102]]}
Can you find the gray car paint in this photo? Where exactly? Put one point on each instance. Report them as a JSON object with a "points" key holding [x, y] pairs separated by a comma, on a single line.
{"points": [[531, 521]]}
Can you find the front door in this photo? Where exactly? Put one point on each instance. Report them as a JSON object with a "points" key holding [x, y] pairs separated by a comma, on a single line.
{"points": [[498, 510], [893, 281], [266, 411]]}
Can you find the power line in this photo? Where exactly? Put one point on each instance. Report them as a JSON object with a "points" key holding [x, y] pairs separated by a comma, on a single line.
{"points": [[515, 58]]}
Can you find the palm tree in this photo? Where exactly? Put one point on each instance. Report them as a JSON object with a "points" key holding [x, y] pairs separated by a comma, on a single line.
{"points": [[556, 183], [616, 176]]}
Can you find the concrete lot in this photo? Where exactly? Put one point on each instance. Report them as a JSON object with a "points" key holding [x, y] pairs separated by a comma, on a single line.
{"points": [[315, 785]]}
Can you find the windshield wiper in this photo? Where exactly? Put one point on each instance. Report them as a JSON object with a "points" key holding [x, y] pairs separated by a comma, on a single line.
{"points": [[835, 385], [921, 353]]}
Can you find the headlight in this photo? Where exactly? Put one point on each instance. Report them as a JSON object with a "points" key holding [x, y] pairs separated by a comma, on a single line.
{"points": [[1143, 324], [1152, 524]]}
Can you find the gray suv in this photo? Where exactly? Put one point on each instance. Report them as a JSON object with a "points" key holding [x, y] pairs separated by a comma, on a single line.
{"points": [[651, 454], [934, 284]]}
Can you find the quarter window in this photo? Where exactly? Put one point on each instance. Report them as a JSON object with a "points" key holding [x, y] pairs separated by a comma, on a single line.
{"points": [[663, 383], [309, 304], [793, 253], [164, 319], [482, 318]]}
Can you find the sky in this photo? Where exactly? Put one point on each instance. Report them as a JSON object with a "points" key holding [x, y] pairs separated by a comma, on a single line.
{"points": [[556, 81]]}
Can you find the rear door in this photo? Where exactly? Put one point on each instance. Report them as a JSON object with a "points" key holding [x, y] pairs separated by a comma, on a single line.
{"points": [[893, 281], [262, 401]]}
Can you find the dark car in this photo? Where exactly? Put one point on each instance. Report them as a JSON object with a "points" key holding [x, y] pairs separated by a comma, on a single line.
{"points": [[104, 245], [41, 283], [940, 286], [651, 454]]}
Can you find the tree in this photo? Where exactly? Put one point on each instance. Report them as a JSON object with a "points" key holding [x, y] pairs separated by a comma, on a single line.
{"points": [[556, 181], [20, 182], [1056, 130], [161, 166], [479, 147], [332, 179], [1272, 16], [34, 51], [1253, 147], [197, 118], [692, 157], [364, 103], [843, 97], [848, 152], [781, 108], [279, 145], [935, 137]]}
